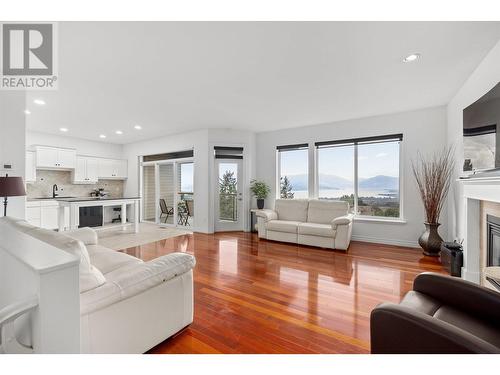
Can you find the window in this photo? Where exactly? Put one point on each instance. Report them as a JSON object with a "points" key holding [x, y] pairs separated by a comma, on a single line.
{"points": [[186, 177], [336, 173], [363, 172], [378, 179], [293, 163]]}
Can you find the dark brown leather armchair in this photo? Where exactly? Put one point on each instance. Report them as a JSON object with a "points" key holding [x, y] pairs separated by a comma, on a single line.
{"points": [[442, 314]]}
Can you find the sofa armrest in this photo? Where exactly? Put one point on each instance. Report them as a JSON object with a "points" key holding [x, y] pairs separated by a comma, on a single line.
{"points": [[462, 294], [397, 329], [342, 220], [87, 235], [267, 214]]}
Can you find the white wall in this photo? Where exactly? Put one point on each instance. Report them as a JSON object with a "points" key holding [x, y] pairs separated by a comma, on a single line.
{"points": [[202, 141], [483, 79], [423, 130], [12, 143], [82, 146]]}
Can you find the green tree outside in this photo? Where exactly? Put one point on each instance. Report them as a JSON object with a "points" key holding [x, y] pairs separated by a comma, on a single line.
{"points": [[227, 196], [286, 188]]}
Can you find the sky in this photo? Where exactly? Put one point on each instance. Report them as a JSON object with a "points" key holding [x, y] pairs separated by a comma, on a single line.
{"points": [[187, 177], [374, 159]]}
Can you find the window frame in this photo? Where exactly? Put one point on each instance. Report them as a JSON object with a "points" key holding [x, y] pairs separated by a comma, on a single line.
{"points": [[313, 175], [292, 147]]}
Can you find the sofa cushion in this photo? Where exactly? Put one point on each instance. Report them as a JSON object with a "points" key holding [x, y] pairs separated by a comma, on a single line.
{"points": [[313, 229], [477, 327], [324, 211], [282, 226], [292, 209], [420, 302], [87, 235], [107, 260], [134, 279]]}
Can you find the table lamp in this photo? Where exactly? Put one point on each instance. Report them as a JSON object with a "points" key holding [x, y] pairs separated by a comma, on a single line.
{"points": [[11, 187]]}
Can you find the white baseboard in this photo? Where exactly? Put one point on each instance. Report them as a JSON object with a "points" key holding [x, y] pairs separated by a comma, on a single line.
{"points": [[473, 276], [385, 241]]}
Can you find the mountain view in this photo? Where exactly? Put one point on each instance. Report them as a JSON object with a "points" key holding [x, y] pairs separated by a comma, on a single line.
{"points": [[332, 182]]}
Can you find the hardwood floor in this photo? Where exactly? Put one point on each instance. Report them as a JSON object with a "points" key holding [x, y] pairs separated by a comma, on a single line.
{"points": [[257, 296]]}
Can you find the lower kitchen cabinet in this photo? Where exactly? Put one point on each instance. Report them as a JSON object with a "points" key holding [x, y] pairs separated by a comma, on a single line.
{"points": [[45, 214]]}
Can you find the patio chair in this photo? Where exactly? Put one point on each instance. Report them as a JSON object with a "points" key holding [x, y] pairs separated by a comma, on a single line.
{"points": [[165, 210]]}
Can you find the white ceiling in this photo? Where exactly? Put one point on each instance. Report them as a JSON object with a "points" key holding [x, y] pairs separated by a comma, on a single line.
{"points": [[173, 77]]}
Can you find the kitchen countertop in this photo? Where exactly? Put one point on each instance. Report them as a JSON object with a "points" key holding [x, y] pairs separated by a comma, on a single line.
{"points": [[79, 199], [93, 199]]}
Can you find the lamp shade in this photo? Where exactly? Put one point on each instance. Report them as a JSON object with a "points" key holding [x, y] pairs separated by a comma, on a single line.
{"points": [[12, 187]]}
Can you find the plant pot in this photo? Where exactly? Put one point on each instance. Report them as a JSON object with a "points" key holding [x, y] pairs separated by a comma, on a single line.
{"points": [[430, 240], [260, 204]]}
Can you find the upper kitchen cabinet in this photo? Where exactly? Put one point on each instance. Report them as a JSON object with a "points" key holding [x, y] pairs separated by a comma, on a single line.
{"points": [[55, 158], [86, 170], [30, 166], [113, 169]]}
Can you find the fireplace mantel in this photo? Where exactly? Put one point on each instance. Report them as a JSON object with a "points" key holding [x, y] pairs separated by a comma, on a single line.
{"points": [[473, 191]]}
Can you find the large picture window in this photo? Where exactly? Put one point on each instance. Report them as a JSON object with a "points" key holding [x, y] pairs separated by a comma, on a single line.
{"points": [[363, 172], [378, 179], [336, 173], [293, 177]]}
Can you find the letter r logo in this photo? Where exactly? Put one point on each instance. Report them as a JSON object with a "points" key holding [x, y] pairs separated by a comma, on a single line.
{"points": [[27, 49]]}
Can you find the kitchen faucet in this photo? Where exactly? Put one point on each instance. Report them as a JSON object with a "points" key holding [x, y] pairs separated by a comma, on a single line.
{"points": [[54, 189]]}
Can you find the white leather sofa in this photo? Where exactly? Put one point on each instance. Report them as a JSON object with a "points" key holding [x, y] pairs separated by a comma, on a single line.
{"points": [[321, 223], [126, 305]]}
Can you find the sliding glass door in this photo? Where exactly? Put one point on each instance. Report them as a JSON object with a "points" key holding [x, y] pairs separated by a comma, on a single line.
{"points": [[166, 200], [185, 181], [167, 193], [149, 193]]}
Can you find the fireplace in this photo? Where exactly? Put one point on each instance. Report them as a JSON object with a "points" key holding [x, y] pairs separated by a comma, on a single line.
{"points": [[493, 241]]}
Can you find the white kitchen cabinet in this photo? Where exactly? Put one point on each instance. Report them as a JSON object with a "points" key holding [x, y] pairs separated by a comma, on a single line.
{"points": [[55, 158], [30, 166], [45, 214], [122, 168], [93, 169], [112, 169], [86, 170], [33, 213], [49, 215], [67, 158]]}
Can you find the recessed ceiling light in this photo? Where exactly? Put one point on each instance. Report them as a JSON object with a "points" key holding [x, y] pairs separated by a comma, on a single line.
{"points": [[138, 127], [102, 136], [63, 129], [39, 101], [119, 132], [412, 57], [27, 112]]}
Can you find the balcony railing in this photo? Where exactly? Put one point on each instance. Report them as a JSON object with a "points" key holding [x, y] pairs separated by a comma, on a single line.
{"points": [[228, 207]]}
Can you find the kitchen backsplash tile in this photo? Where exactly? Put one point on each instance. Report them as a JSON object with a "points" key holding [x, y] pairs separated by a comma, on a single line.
{"points": [[46, 179]]}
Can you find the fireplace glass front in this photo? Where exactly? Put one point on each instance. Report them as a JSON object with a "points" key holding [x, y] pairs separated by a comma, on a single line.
{"points": [[493, 245]]}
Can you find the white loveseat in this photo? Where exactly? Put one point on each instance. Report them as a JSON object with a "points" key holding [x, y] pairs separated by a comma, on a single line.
{"points": [[126, 305], [320, 223]]}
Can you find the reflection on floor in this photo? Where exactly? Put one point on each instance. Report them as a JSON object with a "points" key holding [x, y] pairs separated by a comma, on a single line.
{"points": [[257, 296]]}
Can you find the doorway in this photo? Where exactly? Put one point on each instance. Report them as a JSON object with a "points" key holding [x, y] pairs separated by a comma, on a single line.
{"points": [[229, 214], [168, 193]]}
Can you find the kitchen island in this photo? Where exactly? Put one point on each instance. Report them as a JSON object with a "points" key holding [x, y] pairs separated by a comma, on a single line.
{"points": [[74, 205]]}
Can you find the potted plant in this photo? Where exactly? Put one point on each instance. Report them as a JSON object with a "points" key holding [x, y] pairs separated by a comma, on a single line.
{"points": [[433, 176], [260, 190]]}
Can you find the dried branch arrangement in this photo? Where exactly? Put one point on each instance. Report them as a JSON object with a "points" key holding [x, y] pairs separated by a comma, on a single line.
{"points": [[433, 176]]}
